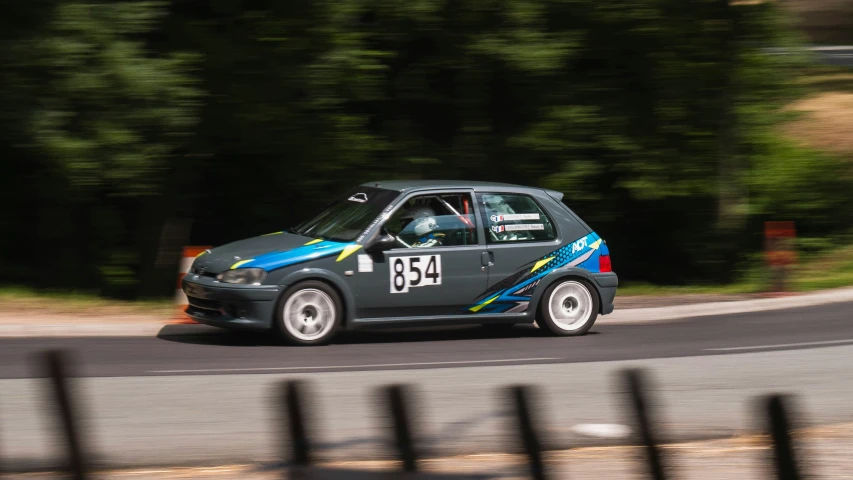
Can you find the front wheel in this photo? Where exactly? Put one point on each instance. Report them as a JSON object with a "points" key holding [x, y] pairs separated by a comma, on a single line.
{"points": [[309, 314], [568, 308]]}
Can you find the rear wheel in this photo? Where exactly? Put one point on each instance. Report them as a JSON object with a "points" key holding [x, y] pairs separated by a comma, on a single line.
{"points": [[309, 314], [568, 308]]}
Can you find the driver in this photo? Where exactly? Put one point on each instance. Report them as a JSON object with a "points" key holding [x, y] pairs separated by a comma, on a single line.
{"points": [[421, 221], [425, 229]]}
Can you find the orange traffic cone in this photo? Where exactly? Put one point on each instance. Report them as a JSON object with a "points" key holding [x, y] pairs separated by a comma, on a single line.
{"points": [[181, 301]]}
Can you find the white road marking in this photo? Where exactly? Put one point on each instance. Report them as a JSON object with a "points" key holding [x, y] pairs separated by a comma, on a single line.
{"points": [[377, 365], [605, 430], [781, 345]]}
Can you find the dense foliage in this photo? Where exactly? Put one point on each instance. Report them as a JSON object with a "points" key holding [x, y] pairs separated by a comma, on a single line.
{"points": [[132, 128]]}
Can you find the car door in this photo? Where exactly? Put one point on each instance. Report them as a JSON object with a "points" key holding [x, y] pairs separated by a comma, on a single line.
{"points": [[520, 234], [437, 269]]}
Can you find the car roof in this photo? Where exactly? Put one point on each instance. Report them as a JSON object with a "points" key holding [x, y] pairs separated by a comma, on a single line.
{"points": [[409, 185]]}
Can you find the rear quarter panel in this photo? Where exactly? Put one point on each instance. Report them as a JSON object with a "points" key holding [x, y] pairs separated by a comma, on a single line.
{"points": [[523, 271]]}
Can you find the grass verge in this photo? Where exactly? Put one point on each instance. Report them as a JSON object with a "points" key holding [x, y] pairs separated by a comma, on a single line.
{"points": [[829, 269], [19, 299]]}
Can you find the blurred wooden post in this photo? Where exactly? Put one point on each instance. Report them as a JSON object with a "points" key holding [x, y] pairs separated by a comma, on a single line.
{"points": [[1, 446], [295, 431], [638, 396], [529, 434], [401, 419], [780, 252], [55, 365], [784, 459]]}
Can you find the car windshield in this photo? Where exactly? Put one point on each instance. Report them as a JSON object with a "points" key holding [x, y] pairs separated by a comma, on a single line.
{"points": [[348, 216]]}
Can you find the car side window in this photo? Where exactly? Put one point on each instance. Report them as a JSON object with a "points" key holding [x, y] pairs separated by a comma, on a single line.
{"points": [[514, 217], [434, 220]]}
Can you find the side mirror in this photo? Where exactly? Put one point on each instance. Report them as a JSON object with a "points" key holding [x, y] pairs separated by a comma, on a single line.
{"points": [[381, 244]]}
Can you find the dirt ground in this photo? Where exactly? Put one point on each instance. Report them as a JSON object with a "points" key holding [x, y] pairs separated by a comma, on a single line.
{"points": [[823, 21], [824, 452], [827, 122]]}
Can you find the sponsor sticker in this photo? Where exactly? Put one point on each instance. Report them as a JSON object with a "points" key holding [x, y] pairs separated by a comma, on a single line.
{"points": [[358, 197], [517, 228], [579, 245], [365, 263], [514, 216]]}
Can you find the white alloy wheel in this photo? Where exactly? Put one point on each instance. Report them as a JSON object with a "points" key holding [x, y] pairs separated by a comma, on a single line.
{"points": [[309, 314], [570, 306]]}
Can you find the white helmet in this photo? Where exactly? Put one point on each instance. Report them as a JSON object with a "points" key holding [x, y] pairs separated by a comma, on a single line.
{"points": [[424, 226]]}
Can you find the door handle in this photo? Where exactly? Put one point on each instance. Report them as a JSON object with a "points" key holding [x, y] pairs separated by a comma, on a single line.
{"points": [[487, 259]]}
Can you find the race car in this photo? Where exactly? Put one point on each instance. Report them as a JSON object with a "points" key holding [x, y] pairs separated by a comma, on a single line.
{"points": [[412, 253]]}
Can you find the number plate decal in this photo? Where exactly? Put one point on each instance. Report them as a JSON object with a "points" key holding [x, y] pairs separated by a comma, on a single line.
{"points": [[415, 271]]}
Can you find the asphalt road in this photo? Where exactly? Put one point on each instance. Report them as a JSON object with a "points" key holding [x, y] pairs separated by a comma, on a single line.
{"points": [[837, 55], [179, 400], [212, 351]]}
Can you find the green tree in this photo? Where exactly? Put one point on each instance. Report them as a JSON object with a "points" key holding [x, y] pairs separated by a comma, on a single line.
{"points": [[656, 118], [105, 121]]}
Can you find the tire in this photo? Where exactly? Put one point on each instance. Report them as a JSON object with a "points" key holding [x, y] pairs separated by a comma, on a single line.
{"points": [[568, 308], [309, 313]]}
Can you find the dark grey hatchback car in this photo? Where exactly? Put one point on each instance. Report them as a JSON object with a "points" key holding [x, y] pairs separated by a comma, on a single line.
{"points": [[412, 253]]}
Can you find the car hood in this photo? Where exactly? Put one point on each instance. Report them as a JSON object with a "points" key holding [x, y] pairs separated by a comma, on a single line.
{"points": [[269, 252]]}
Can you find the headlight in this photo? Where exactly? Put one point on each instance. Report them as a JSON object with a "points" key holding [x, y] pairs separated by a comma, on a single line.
{"points": [[243, 275]]}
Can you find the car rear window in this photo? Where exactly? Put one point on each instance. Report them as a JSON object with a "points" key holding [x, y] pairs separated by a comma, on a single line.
{"points": [[512, 217]]}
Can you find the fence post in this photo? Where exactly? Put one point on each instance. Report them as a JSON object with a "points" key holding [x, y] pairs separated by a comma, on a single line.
{"points": [[1, 449], [784, 460], [529, 435], [295, 424], [55, 361], [638, 394], [401, 418]]}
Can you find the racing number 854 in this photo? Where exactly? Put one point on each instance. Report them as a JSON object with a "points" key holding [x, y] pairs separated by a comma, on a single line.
{"points": [[416, 271]]}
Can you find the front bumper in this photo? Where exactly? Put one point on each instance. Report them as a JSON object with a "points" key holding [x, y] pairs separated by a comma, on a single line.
{"points": [[244, 307], [606, 284]]}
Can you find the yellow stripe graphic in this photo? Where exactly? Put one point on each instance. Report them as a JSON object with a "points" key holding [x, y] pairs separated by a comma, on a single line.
{"points": [[241, 262], [595, 244], [316, 240], [540, 263], [478, 307], [348, 250]]}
